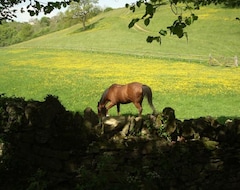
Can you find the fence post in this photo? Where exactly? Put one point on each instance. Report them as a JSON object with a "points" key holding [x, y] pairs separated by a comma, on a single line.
{"points": [[236, 61]]}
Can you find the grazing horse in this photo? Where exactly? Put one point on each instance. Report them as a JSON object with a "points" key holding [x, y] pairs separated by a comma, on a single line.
{"points": [[118, 94]]}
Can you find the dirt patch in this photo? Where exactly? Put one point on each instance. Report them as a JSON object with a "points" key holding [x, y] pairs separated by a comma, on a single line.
{"points": [[139, 28]]}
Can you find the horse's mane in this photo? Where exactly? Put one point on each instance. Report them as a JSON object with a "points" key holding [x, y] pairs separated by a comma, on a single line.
{"points": [[103, 96]]}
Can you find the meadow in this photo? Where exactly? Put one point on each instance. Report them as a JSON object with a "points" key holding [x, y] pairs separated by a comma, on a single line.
{"points": [[79, 78], [77, 66], [216, 32]]}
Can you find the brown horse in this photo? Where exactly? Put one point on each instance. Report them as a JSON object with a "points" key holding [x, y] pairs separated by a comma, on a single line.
{"points": [[118, 94]]}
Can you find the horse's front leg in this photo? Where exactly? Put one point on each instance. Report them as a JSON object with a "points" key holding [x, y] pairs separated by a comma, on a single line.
{"points": [[110, 106], [118, 109]]}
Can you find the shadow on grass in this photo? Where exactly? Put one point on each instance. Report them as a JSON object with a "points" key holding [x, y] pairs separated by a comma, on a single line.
{"points": [[223, 119], [87, 28]]}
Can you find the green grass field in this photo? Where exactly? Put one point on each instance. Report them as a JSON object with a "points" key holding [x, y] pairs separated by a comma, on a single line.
{"points": [[79, 78], [78, 66], [216, 32]]}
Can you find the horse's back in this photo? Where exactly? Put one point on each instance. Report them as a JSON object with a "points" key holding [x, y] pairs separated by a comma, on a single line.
{"points": [[131, 92], [135, 84], [127, 88], [131, 85], [114, 91], [135, 92], [134, 87], [115, 87]]}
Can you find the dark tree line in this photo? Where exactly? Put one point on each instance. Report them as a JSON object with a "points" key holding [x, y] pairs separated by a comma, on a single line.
{"points": [[16, 32]]}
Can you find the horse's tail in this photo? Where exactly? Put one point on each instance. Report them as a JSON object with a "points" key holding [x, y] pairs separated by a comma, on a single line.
{"points": [[148, 93]]}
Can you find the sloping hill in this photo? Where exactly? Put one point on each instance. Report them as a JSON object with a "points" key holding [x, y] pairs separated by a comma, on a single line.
{"points": [[216, 32]]}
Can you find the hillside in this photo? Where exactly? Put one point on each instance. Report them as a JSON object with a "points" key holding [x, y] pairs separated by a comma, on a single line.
{"points": [[216, 32]]}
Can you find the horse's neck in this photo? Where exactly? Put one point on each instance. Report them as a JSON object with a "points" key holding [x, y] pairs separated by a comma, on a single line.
{"points": [[103, 99]]}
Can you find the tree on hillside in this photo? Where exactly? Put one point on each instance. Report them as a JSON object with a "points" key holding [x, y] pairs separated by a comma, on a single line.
{"points": [[45, 21], [82, 9]]}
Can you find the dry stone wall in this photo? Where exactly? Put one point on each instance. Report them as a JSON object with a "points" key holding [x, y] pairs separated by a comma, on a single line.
{"points": [[44, 146]]}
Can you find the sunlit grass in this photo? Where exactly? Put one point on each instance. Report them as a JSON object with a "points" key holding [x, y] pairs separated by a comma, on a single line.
{"points": [[216, 32], [79, 79]]}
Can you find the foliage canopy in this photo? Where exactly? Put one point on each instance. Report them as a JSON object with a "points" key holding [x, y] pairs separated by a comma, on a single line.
{"points": [[183, 9], [34, 7]]}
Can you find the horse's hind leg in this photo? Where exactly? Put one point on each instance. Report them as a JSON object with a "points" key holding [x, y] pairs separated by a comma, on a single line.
{"points": [[139, 107]]}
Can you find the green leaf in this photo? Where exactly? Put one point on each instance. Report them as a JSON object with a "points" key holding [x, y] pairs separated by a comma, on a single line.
{"points": [[147, 21], [55, 5], [188, 21], [149, 9], [139, 3], [48, 9], [163, 32], [132, 8], [64, 4], [178, 30], [38, 6], [149, 39], [32, 13], [131, 24], [194, 17]]}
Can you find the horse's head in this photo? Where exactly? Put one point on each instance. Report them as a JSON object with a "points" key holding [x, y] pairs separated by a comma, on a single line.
{"points": [[102, 110]]}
